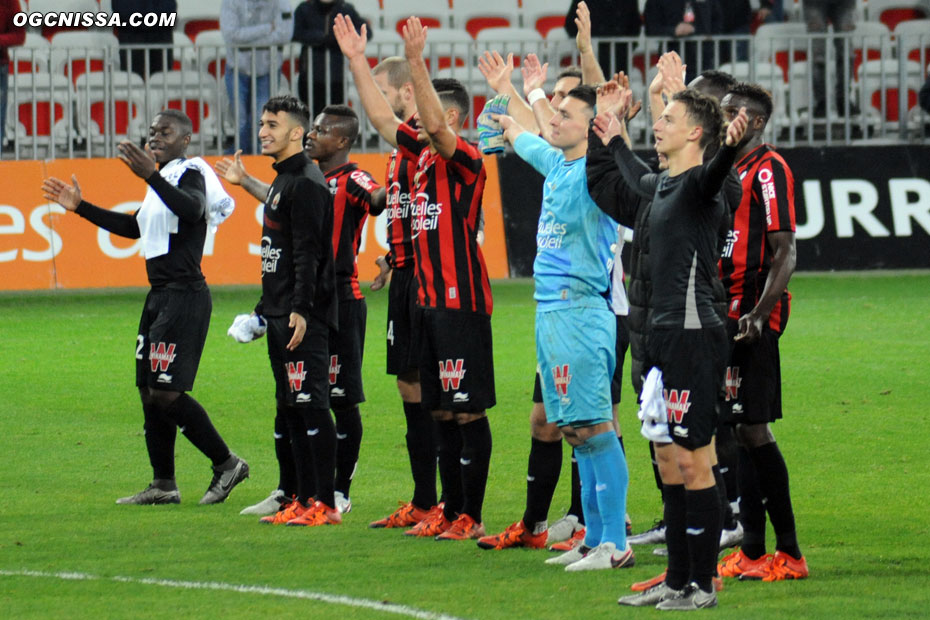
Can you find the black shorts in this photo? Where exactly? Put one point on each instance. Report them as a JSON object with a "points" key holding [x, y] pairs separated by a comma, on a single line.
{"points": [[172, 331], [346, 348], [752, 392], [616, 383], [692, 362], [403, 320], [456, 361], [301, 377]]}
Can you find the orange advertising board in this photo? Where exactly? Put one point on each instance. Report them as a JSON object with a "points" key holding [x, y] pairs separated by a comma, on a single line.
{"points": [[44, 247]]}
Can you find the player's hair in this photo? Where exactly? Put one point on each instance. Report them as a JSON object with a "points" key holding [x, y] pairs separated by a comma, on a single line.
{"points": [[348, 121], [586, 93], [718, 81], [452, 93], [292, 106], [397, 70], [756, 94], [183, 120], [704, 111], [570, 72]]}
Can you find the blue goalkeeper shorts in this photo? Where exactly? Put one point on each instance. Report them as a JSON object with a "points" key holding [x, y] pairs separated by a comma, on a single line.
{"points": [[576, 355]]}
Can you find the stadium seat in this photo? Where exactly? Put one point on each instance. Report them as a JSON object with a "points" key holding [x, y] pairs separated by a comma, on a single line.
{"points": [[869, 41], [75, 52], [62, 6], [448, 46], [777, 43], [195, 17], [913, 38], [476, 15], [544, 20], [32, 56], [110, 107], [39, 109], [396, 13], [882, 93], [520, 41], [194, 92], [185, 57], [892, 12], [210, 50]]}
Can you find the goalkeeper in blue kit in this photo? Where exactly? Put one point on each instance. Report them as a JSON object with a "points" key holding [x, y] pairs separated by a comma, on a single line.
{"points": [[575, 327]]}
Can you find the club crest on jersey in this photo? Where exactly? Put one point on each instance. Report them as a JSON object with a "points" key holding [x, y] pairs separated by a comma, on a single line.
{"points": [[161, 356], [562, 377], [296, 375], [333, 186], [733, 382], [275, 201], [334, 367], [451, 373], [677, 404]]}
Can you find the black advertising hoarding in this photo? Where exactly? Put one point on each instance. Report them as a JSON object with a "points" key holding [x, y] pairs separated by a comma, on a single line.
{"points": [[858, 207]]}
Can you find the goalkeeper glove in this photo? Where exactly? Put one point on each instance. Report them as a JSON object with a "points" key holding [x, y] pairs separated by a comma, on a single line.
{"points": [[490, 133]]}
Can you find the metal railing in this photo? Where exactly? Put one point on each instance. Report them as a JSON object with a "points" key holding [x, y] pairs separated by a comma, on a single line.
{"points": [[81, 101]]}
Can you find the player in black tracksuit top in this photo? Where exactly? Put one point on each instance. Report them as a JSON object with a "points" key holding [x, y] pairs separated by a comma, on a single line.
{"points": [[176, 315], [299, 303]]}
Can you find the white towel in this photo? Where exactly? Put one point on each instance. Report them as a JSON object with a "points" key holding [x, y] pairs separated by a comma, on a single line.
{"points": [[618, 299], [653, 412], [247, 327], [157, 221]]}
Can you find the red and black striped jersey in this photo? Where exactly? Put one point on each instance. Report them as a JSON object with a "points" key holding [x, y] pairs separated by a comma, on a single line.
{"points": [[447, 208], [767, 207], [351, 189], [400, 173]]}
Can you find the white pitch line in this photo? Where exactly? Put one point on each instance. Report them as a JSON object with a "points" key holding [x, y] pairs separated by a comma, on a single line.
{"points": [[335, 599]]}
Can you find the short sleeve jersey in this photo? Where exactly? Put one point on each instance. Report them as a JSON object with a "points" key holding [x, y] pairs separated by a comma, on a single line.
{"points": [[400, 173], [574, 238], [351, 189], [767, 207], [451, 271]]}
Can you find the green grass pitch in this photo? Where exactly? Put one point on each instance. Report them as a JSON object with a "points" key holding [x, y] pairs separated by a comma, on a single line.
{"points": [[855, 436]]}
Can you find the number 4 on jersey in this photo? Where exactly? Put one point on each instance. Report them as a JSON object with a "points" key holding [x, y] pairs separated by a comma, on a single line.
{"points": [[390, 334]]}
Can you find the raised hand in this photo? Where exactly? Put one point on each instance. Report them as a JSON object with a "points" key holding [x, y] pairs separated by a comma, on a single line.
{"points": [[495, 70], [608, 96], [140, 162], [414, 38], [232, 170], [672, 71], [58, 191], [607, 127], [583, 21], [351, 43], [737, 128], [534, 74]]}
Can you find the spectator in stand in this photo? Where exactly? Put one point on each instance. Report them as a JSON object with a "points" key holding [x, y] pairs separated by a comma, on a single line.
{"points": [[250, 28], [609, 18], [681, 19], [10, 36], [735, 21], [159, 59], [313, 29], [840, 13], [771, 11]]}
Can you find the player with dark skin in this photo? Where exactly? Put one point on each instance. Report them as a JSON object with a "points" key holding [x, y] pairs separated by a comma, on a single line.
{"points": [[167, 141]]}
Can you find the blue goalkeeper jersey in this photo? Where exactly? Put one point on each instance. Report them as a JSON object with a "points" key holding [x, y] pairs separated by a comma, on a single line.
{"points": [[574, 238]]}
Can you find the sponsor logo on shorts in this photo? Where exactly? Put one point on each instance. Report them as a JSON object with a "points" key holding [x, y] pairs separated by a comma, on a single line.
{"points": [[464, 461], [164, 378], [313, 431], [460, 397], [562, 377], [161, 355], [341, 436], [303, 398], [334, 368], [451, 373], [680, 431], [733, 382], [337, 392], [677, 405], [295, 377]]}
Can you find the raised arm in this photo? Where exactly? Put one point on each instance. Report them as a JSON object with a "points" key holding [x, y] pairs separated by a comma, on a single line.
{"points": [[534, 76], [233, 171], [187, 200], [432, 116], [497, 72], [352, 44], [69, 197], [591, 71]]}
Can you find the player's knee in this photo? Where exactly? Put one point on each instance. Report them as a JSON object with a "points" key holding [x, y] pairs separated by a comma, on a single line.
{"points": [[408, 384], [162, 399], [754, 435]]}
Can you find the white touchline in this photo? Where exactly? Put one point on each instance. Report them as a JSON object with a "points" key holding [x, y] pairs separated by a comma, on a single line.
{"points": [[390, 608]]}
